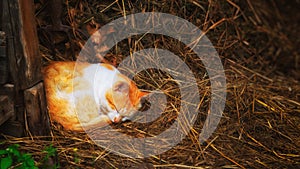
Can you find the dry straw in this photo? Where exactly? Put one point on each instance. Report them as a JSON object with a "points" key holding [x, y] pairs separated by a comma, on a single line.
{"points": [[260, 125]]}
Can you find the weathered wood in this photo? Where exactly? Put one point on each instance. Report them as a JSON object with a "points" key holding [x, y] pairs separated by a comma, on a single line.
{"points": [[36, 110], [3, 59], [6, 108], [12, 128], [7, 89], [1, 14], [25, 61]]}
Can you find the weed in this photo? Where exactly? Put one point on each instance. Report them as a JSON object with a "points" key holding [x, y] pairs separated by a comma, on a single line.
{"points": [[11, 156]]}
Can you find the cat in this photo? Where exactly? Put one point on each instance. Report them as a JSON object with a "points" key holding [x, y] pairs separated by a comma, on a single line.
{"points": [[83, 96]]}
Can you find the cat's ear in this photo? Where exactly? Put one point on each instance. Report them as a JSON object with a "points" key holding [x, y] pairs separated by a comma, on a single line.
{"points": [[144, 94], [121, 87]]}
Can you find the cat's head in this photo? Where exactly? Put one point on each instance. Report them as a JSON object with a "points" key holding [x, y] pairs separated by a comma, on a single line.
{"points": [[125, 97]]}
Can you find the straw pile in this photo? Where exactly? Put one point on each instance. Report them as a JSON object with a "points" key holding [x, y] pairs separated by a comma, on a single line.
{"points": [[257, 43]]}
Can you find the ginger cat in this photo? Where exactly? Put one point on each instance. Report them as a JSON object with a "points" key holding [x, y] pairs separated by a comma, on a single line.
{"points": [[89, 95]]}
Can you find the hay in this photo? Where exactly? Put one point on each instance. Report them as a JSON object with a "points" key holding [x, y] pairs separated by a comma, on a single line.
{"points": [[257, 42]]}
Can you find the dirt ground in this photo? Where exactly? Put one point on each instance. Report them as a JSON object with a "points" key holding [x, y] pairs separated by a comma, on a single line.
{"points": [[258, 43]]}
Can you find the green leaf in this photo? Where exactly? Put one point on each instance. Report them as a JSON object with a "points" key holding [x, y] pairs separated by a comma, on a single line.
{"points": [[5, 162], [51, 151], [25, 156], [14, 150], [14, 146], [30, 162], [2, 152]]}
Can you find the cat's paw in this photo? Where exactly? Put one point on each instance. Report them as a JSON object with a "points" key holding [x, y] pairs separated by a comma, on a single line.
{"points": [[125, 119]]}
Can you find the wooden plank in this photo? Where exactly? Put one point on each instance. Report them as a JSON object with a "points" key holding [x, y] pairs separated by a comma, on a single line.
{"points": [[6, 109], [3, 59], [30, 44], [1, 14], [23, 51], [10, 13], [12, 128], [36, 110], [25, 69], [7, 89]]}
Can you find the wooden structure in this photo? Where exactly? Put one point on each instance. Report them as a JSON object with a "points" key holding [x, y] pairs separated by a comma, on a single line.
{"points": [[23, 108]]}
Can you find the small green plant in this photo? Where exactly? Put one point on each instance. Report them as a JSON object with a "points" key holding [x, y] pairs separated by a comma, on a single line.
{"points": [[11, 156], [76, 158], [50, 160]]}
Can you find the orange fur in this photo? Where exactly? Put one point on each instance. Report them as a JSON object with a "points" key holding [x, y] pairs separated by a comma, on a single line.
{"points": [[109, 67], [59, 76], [110, 99], [61, 81]]}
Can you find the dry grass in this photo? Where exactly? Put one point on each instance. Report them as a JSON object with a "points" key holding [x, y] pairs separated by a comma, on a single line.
{"points": [[257, 42]]}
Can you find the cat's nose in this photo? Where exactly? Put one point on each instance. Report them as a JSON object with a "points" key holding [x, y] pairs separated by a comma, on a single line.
{"points": [[117, 119]]}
